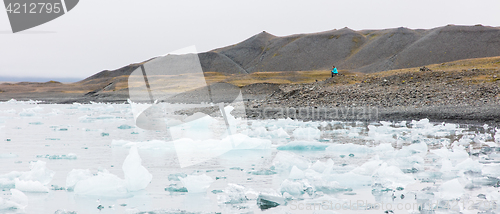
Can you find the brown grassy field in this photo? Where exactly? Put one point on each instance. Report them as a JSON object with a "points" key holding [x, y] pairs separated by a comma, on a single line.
{"points": [[297, 77]]}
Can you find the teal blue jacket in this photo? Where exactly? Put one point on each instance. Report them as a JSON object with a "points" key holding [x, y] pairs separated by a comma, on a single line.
{"points": [[335, 71]]}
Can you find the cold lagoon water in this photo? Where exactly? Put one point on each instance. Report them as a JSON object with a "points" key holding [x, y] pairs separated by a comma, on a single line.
{"points": [[92, 158]]}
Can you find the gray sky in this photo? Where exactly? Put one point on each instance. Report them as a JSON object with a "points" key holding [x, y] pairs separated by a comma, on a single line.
{"points": [[107, 34]]}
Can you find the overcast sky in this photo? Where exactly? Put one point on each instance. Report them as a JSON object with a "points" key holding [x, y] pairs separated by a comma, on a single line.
{"points": [[107, 34]]}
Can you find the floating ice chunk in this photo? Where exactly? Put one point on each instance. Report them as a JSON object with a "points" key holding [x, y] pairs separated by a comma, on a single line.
{"points": [[191, 152], [251, 194], [7, 180], [39, 172], [197, 183], [392, 177], [303, 146], [30, 186], [266, 201], [8, 155], [458, 154], [296, 174], [492, 170], [104, 184], [446, 166], [319, 166], [497, 135], [259, 132], [423, 123], [137, 177], [176, 176], [279, 133], [419, 149], [198, 127], [469, 165], [464, 141], [296, 188], [349, 149], [175, 188], [75, 176], [451, 190], [381, 133], [284, 161], [308, 133], [233, 194], [368, 168], [125, 127], [383, 148], [241, 141], [17, 200]]}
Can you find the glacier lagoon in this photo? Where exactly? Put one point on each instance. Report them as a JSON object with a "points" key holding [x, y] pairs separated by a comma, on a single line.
{"points": [[92, 158]]}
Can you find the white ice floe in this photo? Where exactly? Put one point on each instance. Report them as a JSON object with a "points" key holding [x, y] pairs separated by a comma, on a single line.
{"points": [[451, 190], [392, 177], [191, 152], [233, 194], [34, 180], [296, 174], [137, 177], [320, 166], [30, 186], [307, 133], [284, 161], [106, 184], [197, 183], [16, 201], [75, 176]]}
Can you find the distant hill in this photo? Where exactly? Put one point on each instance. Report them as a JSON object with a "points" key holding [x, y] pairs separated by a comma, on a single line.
{"points": [[364, 51], [299, 58]]}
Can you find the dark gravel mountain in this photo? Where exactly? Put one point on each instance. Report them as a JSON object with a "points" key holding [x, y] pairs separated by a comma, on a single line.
{"points": [[364, 51]]}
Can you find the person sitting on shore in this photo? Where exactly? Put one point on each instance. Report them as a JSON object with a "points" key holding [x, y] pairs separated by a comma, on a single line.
{"points": [[334, 71]]}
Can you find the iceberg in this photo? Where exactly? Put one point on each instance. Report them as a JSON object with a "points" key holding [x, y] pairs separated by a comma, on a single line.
{"points": [[451, 190], [137, 177], [39, 172], [284, 161], [307, 133], [266, 201], [320, 167], [233, 194], [392, 177], [76, 175], [34, 180], [296, 174], [105, 184], [197, 183], [17, 200], [296, 188], [30, 186]]}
